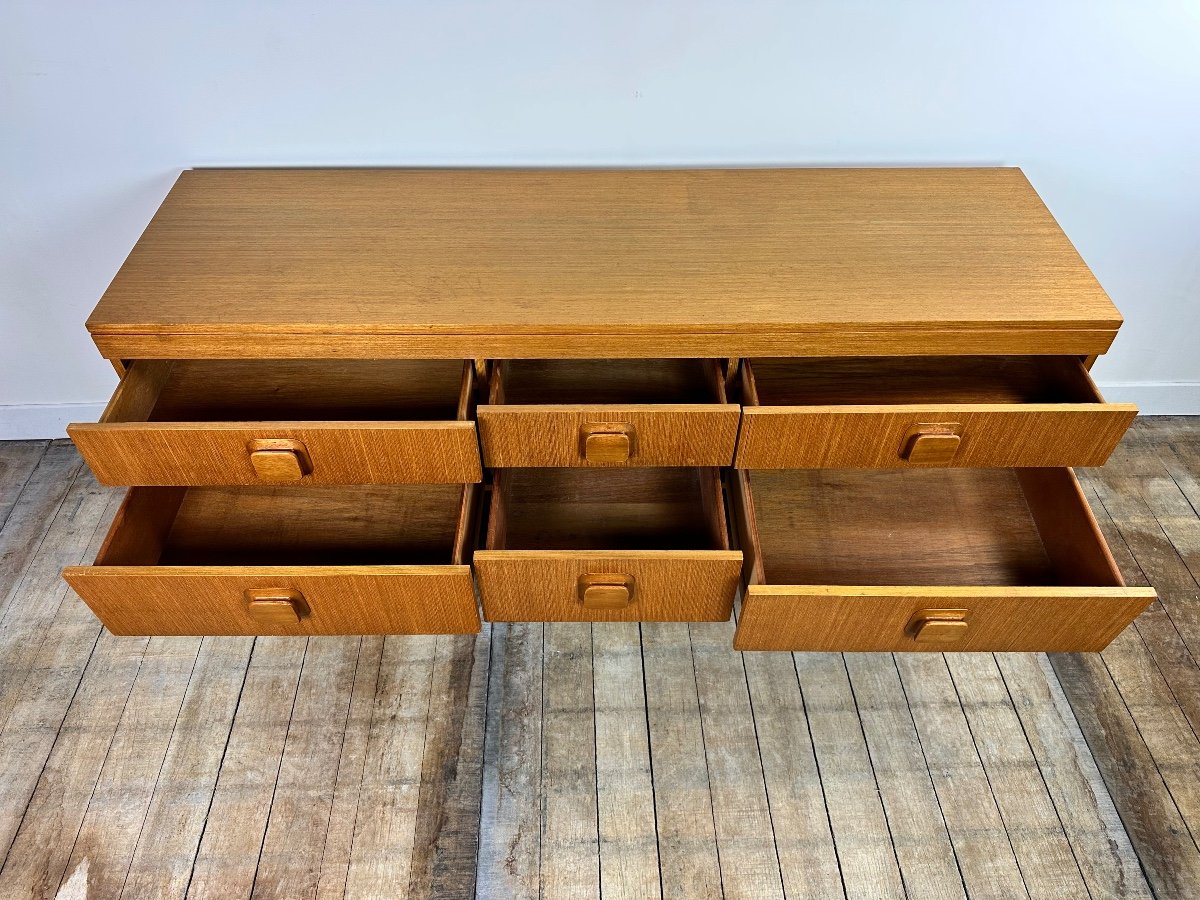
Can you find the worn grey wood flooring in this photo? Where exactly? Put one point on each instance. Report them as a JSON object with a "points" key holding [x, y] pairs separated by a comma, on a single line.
{"points": [[566, 760]]}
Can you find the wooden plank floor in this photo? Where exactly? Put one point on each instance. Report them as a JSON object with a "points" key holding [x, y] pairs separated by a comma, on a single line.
{"points": [[570, 761]]}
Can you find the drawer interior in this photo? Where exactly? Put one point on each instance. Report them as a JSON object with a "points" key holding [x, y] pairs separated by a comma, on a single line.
{"points": [[945, 527], [611, 381], [607, 509], [278, 526], [293, 390], [923, 380]]}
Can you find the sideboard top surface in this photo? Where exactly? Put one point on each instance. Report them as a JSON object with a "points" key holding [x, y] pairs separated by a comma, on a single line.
{"points": [[602, 263]]}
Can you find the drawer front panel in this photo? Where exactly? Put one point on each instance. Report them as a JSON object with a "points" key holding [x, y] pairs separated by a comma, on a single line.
{"points": [[282, 600], [1052, 619], [654, 435], [882, 437], [151, 453], [598, 586]]}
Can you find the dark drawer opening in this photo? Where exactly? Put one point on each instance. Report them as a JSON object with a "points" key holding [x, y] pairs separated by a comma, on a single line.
{"points": [[293, 390], [923, 380], [949, 527], [289, 526], [606, 381], [607, 509]]}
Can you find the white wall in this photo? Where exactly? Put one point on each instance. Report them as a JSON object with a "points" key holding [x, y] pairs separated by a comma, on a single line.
{"points": [[102, 103]]}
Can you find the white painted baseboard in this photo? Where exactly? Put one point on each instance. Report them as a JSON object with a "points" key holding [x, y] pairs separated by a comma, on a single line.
{"points": [[49, 420], [44, 420], [1155, 398]]}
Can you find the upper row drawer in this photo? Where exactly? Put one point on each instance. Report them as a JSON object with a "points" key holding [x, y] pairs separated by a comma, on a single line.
{"points": [[607, 412], [890, 412], [258, 421], [244, 422]]}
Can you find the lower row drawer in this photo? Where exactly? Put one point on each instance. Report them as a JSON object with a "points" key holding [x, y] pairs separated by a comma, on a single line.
{"points": [[374, 559], [963, 559]]}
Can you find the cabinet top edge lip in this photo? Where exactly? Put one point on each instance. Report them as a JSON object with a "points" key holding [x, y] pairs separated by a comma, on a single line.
{"points": [[601, 250]]}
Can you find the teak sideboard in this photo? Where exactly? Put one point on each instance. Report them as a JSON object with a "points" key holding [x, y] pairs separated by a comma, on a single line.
{"points": [[387, 400]]}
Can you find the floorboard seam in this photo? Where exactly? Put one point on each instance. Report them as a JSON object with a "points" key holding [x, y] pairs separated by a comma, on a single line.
{"points": [[224, 750]]}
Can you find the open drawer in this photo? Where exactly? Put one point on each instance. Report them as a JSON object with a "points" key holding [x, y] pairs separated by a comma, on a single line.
{"points": [[370, 559], [262, 421], [961, 559], [612, 545], [899, 412], [608, 412]]}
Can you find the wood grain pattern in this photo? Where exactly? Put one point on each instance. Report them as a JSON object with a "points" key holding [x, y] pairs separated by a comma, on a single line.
{"points": [[669, 585], [626, 815], [916, 822], [1122, 698], [672, 412], [569, 826], [199, 600], [741, 813], [952, 527], [1048, 864], [1009, 412], [548, 528], [1008, 619], [510, 813], [548, 260], [182, 561], [687, 842], [662, 435], [981, 844], [194, 422], [839, 574], [227, 857], [342, 452], [856, 817], [661, 342]]}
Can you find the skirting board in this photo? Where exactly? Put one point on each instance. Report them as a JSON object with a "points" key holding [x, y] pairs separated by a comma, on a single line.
{"points": [[44, 420], [50, 420]]}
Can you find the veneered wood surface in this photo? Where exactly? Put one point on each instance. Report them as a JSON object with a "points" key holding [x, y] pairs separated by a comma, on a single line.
{"points": [[668, 585], [1009, 412], [151, 453], [847, 618], [66, 696], [192, 422], [872, 436], [363, 560], [200, 600], [950, 528], [664, 435], [607, 509], [844, 561], [527, 263]]}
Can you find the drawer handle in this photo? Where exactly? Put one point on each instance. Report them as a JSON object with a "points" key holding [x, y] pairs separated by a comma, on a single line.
{"points": [[279, 459], [938, 626], [275, 607], [605, 591], [610, 442], [931, 445]]}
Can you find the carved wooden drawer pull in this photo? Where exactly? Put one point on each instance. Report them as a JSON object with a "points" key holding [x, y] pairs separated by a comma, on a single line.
{"points": [[606, 443], [275, 607], [938, 626], [605, 591], [931, 445], [279, 459]]}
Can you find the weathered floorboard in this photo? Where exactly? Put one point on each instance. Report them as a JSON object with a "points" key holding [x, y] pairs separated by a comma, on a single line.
{"points": [[624, 759]]}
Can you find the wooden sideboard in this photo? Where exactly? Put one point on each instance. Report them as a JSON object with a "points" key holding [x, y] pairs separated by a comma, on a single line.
{"points": [[357, 401]]}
